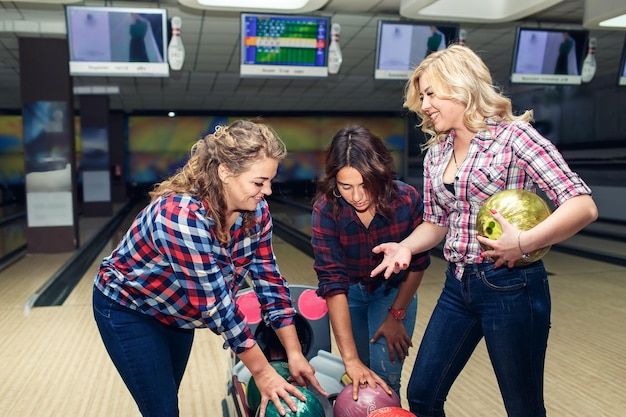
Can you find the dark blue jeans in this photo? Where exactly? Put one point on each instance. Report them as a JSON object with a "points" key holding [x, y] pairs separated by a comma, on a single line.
{"points": [[150, 356], [510, 308], [367, 313]]}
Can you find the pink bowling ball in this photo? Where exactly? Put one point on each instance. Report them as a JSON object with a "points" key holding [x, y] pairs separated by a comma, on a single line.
{"points": [[370, 399]]}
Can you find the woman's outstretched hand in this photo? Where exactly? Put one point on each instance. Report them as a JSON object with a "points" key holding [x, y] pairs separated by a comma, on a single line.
{"points": [[396, 258]]}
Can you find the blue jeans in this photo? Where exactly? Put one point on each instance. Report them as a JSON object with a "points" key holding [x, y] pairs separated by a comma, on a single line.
{"points": [[372, 309], [510, 308], [150, 356]]}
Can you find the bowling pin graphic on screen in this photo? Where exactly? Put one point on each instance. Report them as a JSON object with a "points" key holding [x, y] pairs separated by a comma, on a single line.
{"points": [[176, 50], [462, 37], [334, 50], [589, 64]]}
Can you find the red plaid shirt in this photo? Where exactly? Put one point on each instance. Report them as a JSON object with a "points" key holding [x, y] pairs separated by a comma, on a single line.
{"points": [[514, 156], [343, 246], [171, 266]]}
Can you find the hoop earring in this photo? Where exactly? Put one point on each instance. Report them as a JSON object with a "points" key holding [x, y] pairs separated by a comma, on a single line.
{"points": [[335, 193]]}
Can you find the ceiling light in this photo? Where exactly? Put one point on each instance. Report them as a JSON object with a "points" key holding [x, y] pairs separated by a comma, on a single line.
{"points": [[472, 10], [277, 6], [615, 22], [604, 14], [247, 4]]}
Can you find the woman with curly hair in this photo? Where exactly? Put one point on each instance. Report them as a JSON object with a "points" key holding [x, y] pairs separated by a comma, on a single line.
{"points": [[181, 263]]}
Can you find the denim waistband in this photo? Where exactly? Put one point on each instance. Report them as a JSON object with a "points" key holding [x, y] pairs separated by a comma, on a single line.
{"points": [[487, 266]]}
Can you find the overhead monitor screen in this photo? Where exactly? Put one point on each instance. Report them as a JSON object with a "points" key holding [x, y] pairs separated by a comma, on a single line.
{"points": [[402, 45], [116, 41], [284, 45], [548, 56]]}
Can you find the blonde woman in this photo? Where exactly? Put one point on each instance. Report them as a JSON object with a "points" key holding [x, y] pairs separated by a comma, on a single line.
{"points": [[477, 147]]}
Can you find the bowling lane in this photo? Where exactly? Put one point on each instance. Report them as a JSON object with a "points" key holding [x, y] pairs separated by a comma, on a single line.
{"points": [[12, 234], [292, 222], [10, 212], [291, 213], [100, 231]]}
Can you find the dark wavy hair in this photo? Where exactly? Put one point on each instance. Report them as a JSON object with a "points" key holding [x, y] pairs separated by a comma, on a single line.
{"points": [[359, 148]]}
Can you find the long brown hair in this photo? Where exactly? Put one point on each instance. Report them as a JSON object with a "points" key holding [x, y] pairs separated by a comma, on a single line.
{"points": [[237, 146], [358, 147]]}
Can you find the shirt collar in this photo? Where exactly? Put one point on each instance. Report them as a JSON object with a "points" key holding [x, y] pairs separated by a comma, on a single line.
{"points": [[483, 138], [348, 214]]}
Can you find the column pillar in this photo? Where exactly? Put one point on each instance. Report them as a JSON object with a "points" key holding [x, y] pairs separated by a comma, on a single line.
{"points": [[118, 152], [95, 162], [49, 146]]}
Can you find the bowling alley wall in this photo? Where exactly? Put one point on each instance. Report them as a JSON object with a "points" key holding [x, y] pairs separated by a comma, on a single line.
{"points": [[158, 146]]}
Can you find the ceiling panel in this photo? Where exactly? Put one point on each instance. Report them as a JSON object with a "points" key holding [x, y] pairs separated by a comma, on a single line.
{"points": [[210, 78]]}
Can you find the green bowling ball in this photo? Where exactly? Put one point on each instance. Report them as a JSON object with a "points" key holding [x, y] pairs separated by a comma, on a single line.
{"points": [[311, 408], [253, 396], [523, 209]]}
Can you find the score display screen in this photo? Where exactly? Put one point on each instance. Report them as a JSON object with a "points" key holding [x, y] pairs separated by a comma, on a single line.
{"points": [[274, 45]]}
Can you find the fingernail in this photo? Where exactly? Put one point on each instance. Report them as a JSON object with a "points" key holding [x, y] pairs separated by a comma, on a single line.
{"points": [[492, 211], [371, 340]]}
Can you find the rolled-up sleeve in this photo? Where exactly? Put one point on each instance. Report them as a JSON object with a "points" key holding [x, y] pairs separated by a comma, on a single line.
{"points": [[270, 286], [328, 264], [183, 237], [541, 161]]}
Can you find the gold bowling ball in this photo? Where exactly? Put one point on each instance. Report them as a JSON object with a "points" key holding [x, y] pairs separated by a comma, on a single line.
{"points": [[523, 209]]}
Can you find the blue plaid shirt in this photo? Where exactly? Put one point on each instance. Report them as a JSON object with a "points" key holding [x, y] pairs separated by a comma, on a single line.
{"points": [[171, 266]]}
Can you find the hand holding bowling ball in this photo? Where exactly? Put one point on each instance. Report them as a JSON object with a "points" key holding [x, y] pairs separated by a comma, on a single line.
{"points": [[370, 399], [253, 396], [311, 408], [523, 209]]}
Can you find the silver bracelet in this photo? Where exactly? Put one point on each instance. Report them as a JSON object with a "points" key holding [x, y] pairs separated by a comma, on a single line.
{"points": [[525, 256]]}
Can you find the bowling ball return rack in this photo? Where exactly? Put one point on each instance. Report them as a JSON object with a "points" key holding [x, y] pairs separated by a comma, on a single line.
{"points": [[313, 327]]}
